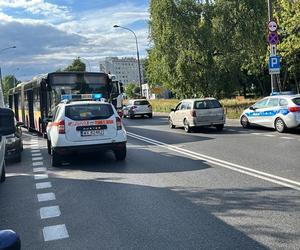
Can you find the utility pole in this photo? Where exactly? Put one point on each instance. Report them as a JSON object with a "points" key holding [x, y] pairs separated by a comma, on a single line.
{"points": [[273, 78]]}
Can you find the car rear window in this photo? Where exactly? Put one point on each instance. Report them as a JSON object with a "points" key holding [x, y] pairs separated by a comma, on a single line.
{"points": [[89, 112], [207, 104], [141, 103], [296, 101]]}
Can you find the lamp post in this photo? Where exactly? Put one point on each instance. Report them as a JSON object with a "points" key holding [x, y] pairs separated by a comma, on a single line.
{"points": [[1, 50], [137, 54]]}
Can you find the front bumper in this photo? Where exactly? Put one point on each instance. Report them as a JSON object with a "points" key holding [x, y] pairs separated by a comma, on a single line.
{"points": [[89, 148]]}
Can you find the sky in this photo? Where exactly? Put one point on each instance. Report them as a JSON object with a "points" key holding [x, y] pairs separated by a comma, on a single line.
{"points": [[49, 34]]}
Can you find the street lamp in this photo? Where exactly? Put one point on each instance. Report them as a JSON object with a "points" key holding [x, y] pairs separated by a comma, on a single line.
{"points": [[11, 47], [137, 54]]}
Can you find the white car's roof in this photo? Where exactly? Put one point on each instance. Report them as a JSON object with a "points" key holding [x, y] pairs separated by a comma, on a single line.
{"points": [[71, 103], [198, 99]]}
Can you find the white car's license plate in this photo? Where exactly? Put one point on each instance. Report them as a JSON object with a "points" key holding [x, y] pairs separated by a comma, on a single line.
{"points": [[92, 132]]}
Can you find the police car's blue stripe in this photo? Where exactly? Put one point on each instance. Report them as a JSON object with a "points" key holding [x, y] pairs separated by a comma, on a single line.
{"points": [[268, 113]]}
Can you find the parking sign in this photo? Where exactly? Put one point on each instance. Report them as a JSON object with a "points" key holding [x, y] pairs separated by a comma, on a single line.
{"points": [[274, 65]]}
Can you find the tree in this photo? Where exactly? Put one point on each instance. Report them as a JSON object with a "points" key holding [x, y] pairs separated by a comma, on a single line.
{"points": [[77, 65], [132, 90], [8, 82], [287, 14]]}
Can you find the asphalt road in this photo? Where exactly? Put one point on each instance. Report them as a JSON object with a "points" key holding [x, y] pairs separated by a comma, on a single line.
{"points": [[236, 189]]}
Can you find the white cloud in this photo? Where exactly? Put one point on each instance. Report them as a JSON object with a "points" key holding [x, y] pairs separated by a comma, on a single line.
{"points": [[37, 7], [43, 46]]}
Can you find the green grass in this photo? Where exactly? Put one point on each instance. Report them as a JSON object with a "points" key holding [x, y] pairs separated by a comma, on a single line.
{"points": [[233, 107]]}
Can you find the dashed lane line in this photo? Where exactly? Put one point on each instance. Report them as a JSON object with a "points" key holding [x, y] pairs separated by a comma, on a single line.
{"points": [[46, 197], [37, 163], [40, 176], [287, 138], [43, 185], [49, 212], [55, 232], [41, 169], [37, 158]]}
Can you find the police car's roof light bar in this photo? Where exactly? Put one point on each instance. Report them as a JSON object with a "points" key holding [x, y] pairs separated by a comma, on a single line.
{"points": [[283, 93], [78, 97]]}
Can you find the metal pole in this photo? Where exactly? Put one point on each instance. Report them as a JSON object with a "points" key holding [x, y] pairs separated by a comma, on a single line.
{"points": [[273, 79], [137, 55]]}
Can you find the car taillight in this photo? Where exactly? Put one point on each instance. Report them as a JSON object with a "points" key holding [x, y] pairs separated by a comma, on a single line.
{"points": [[193, 113], [294, 109], [61, 127], [119, 123]]}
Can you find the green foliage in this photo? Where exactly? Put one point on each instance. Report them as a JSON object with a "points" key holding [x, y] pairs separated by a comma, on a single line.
{"points": [[9, 81], [208, 48], [288, 16], [77, 65], [132, 90]]}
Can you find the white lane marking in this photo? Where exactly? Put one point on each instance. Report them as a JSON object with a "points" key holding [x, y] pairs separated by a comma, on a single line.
{"points": [[232, 130], [37, 158], [287, 138], [42, 169], [56, 232], [40, 176], [46, 197], [43, 185], [238, 168], [256, 133], [49, 212], [35, 151], [38, 163], [36, 154], [269, 135]]}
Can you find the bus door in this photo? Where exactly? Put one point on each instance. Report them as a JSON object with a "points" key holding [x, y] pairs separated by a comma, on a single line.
{"points": [[16, 106], [43, 105], [30, 108], [23, 105]]}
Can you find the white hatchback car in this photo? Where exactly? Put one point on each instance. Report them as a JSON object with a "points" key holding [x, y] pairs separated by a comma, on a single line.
{"points": [[191, 113], [278, 111], [137, 107], [85, 126]]}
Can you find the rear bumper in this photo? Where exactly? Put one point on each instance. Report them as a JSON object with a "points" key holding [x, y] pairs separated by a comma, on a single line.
{"points": [[89, 148], [196, 123]]}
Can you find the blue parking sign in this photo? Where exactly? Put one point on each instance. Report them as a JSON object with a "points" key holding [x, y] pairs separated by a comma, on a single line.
{"points": [[274, 64]]}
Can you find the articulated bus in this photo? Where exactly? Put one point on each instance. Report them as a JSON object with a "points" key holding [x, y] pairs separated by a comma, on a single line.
{"points": [[34, 101]]}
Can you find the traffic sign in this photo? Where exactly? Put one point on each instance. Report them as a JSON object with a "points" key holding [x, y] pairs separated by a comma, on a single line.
{"points": [[273, 38], [274, 65], [273, 50], [272, 25]]}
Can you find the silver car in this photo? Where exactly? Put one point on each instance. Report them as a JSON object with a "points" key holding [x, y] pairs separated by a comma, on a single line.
{"points": [[279, 112], [137, 107], [191, 113]]}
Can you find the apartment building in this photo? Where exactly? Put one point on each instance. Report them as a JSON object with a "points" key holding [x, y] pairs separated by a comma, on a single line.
{"points": [[125, 69]]}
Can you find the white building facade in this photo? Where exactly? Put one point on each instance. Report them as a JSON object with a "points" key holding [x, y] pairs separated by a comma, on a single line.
{"points": [[125, 69]]}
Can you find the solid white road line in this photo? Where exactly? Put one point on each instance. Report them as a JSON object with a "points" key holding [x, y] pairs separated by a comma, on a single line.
{"points": [[256, 133], [42, 169], [37, 158], [238, 168], [56, 232], [43, 185], [40, 176], [46, 197], [269, 135], [287, 138], [38, 163], [49, 212]]}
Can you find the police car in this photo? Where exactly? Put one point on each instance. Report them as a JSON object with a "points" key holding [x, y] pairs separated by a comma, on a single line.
{"points": [[277, 111], [79, 125]]}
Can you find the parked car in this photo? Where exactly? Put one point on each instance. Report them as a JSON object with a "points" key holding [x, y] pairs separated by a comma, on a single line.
{"points": [[7, 127], [85, 126], [14, 144], [139, 107], [280, 112], [192, 113]]}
